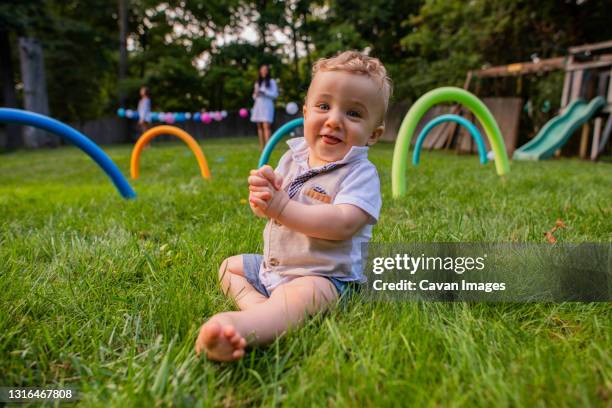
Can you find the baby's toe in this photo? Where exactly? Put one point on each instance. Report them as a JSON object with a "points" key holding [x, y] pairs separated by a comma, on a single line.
{"points": [[229, 331], [235, 340], [242, 343]]}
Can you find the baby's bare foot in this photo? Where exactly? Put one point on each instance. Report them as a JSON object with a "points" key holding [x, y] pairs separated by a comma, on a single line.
{"points": [[220, 341]]}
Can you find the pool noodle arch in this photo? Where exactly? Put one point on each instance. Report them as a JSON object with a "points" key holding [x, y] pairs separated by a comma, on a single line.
{"points": [[482, 151], [22, 117], [147, 136], [276, 137], [418, 110]]}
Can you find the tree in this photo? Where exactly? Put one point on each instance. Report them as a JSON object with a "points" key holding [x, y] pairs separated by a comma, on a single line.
{"points": [[448, 38], [8, 88], [123, 55], [34, 90], [15, 20]]}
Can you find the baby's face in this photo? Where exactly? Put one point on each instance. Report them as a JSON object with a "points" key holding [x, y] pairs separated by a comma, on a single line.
{"points": [[342, 110]]}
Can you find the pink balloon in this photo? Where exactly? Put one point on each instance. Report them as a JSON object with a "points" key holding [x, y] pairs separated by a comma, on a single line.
{"points": [[206, 118], [218, 116], [243, 113], [169, 118]]}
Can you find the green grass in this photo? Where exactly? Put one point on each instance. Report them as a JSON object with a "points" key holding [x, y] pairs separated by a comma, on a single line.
{"points": [[107, 295]]}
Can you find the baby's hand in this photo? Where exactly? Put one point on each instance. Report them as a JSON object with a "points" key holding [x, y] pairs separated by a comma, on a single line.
{"points": [[260, 193], [265, 195], [259, 202], [267, 172]]}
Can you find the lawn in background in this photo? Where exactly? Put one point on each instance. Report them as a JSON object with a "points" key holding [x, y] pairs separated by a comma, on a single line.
{"points": [[107, 295]]}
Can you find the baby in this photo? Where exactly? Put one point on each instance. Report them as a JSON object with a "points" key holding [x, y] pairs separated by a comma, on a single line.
{"points": [[321, 203]]}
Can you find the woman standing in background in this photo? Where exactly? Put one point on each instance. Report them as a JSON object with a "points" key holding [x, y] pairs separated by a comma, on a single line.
{"points": [[144, 109], [264, 93]]}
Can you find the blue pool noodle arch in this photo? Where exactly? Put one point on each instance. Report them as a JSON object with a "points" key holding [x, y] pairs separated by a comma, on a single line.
{"points": [[22, 117], [482, 151], [276, 137]]}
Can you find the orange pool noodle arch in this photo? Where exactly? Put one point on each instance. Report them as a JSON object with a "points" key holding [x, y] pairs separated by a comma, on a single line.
{"points": [[146, 137]]}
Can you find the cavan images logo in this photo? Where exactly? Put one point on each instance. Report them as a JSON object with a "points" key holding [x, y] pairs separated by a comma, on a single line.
{"points": [[408, 264]]}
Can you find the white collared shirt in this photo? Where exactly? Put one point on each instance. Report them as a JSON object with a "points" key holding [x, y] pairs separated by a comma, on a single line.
{"points": [[361, 188]]}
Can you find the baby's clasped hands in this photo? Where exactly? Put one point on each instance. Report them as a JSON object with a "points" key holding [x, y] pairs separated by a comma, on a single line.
{"points": [[266, 197]]}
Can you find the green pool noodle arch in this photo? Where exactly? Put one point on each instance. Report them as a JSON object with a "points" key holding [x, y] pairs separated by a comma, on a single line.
{"points": [[418, 110]]}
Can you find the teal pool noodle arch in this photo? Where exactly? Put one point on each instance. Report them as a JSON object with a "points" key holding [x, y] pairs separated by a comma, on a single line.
{"points": [[473, 130], [22, 117], [418, 110], [276, 137]]}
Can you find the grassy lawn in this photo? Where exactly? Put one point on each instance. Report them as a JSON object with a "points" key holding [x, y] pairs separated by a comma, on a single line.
{"points": [[107, 295]]}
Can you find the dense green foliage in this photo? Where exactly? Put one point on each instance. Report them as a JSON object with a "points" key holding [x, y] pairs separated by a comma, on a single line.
{"points": [[107, 295], [190, 52]]}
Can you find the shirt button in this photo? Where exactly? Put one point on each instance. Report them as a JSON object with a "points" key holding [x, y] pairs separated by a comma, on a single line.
{"points": [[273, 262]]}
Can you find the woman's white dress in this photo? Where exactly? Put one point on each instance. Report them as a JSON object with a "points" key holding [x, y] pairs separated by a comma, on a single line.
{"points": [[263, 109], [144, 109]]}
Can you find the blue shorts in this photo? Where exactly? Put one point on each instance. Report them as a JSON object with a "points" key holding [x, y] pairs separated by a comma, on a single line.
{"points": [[250, 267]]}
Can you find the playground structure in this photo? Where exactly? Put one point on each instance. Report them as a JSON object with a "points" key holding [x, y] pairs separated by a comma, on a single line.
{"points": [[56, 127], [588, 74], [587, 94], [558, 130], [167, 130], [416, 113]]}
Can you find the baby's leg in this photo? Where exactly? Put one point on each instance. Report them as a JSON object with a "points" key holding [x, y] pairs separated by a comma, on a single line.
{"points": [[234, 284], [287, 308], [217, 336]]}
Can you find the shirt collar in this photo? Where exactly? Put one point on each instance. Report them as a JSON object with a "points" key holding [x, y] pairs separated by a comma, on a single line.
{"points": [[299, 152]]}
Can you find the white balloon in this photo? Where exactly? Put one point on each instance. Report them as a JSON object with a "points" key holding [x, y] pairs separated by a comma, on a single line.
{"points": [[224, 114], [291, 108], [187, 115]]}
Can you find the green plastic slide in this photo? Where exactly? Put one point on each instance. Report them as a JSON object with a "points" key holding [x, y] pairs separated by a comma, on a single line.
{"points": [[557, 131]]}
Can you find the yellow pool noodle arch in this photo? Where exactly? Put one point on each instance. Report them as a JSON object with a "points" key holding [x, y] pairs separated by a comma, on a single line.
{"points": [[147, 136]]}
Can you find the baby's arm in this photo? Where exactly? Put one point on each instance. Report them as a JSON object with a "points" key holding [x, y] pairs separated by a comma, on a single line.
{"points": [[325, 221]]}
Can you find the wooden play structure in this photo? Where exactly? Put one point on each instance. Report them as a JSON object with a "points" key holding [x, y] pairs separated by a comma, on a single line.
{"points": [[588, 75]]}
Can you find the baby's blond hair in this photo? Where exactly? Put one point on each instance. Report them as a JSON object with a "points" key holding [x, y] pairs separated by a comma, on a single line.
{"points": [[358, 63]]}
